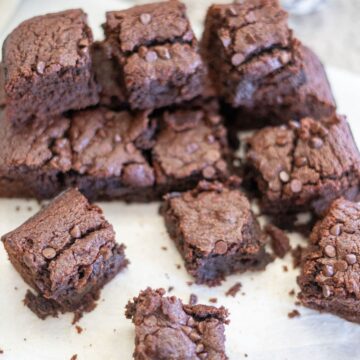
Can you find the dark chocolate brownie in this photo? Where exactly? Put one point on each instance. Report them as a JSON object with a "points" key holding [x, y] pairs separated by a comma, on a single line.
{"points": [[215, 231], [166, 329], [66, 253], [258, 67], [192, 145], [110, 155], [157, 54], [48, 66], [330, 272], [304, 166]]}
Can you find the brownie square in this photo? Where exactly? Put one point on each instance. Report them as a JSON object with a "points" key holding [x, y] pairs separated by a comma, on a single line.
{"points": [[157, 54], [259, 68], [66, 253], [48, 66], [98, 150], [165, 328], [329, 278], [304, 166], [215, 231], [190, 146]]}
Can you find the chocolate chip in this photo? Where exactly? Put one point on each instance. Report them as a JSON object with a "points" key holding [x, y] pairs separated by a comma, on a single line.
{"points": [[284, 176], [194, 336], [191, 321], [285, 58], [295, 185], [145, 18], [199, 348], [237, 59], [83, 43], [208, 172], [203, 356], [163, 53], [326, 291], [188, 36], [330, 251], [316, 142], [281, 140], [232, 11], [49, 253], [40, 67], [300, 161], [335, 230], [151, 56], [75, 232], [186, 329], [350, 259], [220, 247], [226, 40], [328, 270]]}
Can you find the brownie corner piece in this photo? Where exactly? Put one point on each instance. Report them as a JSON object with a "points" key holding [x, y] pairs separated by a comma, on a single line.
{"points": [[304, 166], [215, 231], [42, 82], [329, 277], [168, 329], [66, 253], [157, 53]]}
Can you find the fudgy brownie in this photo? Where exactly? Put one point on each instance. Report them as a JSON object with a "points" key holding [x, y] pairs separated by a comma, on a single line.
{"points": [[330, 272], [166, 329], [48, 66], [192, 145], [258, 67], [66, 253], [157, 54], [215, 231], [111, 155], [304, 166]]}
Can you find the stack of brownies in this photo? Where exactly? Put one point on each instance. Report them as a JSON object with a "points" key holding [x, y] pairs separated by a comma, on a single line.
{"points": [[148, 112]]}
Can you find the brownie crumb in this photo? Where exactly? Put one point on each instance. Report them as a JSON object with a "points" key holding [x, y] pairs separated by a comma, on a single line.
{"points": [[292, 292], [297, 303], [29, 208], [296, 254], [164, 248], [17, 208], [1, 351], [213, 300], [293, 314], [246, 355], [285, 268], [280, 242], [178, 266], [79, 329], [74, 357], [189, 283], [193, 299], [234, 289], [170, 288]]}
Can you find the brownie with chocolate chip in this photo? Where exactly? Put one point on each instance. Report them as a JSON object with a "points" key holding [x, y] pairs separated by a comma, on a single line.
{"points": [[215, 231], [330, 271], [259, 68], [66, 253], [191, 145], [48, 68], [165, 328], [304, 166], [157, 54]]}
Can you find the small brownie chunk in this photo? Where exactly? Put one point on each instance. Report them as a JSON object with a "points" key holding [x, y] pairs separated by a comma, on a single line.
{"points": [[192, 145], [215, 231], [330, 271], [48, 66], [157, 53], [258, 67], [166, 329], [66, 253], [304, 166]]}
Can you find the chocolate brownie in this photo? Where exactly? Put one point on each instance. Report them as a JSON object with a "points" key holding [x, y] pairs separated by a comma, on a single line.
{"points": [[304, 166], [166, 329], [111, 155], [192, 145], [66, 253], [215, 231], [258, 66], [329, 278], [2, 84], [48, 66], [157, 54]]}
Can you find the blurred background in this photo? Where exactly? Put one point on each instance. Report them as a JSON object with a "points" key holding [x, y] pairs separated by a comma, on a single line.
{"points": [[330, 27]]}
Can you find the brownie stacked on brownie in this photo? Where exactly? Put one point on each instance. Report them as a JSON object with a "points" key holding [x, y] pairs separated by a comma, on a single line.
{"points": [[259, 69]]}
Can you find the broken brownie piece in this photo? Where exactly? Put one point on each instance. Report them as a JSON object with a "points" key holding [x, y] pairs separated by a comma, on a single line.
{"points": [[66, 253], [304, 166], [215, 231], [192, 145], [157, 54], [48, 66], [165, 328], [259, 68], [329, 278]]}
